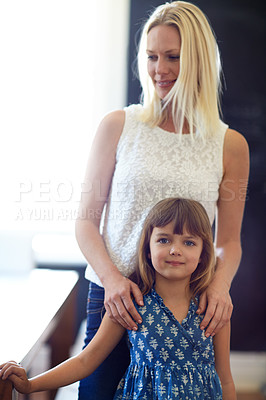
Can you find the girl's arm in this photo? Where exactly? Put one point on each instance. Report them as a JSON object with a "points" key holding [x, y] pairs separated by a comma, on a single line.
{"points": [[230, 209], [74, 369], [221, 343], [99, 174]]}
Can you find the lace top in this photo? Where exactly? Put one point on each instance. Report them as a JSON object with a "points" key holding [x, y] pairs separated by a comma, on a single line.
{"points": [[153, 164], [169, 360]]}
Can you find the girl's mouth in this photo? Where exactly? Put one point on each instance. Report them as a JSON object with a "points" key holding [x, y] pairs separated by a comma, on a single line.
{"points": [[174, 263]]}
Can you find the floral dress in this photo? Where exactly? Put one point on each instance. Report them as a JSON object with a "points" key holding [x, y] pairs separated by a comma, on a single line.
{"points": [[169, 360]]}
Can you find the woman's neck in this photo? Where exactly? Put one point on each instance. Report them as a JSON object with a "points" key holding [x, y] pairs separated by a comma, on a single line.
{"points": [[169, 126]]}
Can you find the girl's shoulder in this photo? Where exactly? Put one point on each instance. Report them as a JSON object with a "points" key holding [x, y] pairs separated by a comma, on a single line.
{"points": [[148, 299]]}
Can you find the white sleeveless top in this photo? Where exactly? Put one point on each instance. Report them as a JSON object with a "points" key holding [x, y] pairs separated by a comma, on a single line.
{"points": [[153, 164]]}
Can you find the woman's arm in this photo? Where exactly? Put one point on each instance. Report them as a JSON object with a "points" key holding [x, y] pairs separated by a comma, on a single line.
{"points": [[74, 369], [221, 343], [230, 209], [99, 174]]}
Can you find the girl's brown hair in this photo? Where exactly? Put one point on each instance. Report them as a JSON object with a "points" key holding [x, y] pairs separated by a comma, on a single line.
{"points": [[187, 215]]}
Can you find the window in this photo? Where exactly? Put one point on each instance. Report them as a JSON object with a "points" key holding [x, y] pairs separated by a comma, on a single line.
{"points": [[63, 66]]}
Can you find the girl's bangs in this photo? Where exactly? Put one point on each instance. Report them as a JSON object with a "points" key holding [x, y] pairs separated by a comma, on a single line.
{"points": [[184, 217]]}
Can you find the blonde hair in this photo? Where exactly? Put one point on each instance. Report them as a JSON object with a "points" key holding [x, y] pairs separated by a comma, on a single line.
{"points": [[186, 214], [195, 95]]}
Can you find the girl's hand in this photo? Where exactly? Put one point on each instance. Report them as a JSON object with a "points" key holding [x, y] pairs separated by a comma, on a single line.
{"points": [[118, 301], [217, 302], [17, 375]]}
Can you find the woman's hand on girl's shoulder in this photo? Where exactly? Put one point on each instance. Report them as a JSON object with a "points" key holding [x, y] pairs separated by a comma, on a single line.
{"points": [[217, 304], [118, 301], [17, 375]]}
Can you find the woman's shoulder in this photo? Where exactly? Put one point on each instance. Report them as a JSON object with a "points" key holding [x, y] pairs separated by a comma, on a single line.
{"points": [[134, 108], [114, 119], [110, 129], [114, 122], [235, 146], [234, 140]]}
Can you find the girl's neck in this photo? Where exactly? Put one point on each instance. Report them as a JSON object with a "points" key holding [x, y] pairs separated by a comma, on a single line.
{"points": [[176, 297], [173, 291]]}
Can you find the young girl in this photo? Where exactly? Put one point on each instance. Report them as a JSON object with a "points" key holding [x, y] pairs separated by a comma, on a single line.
{"points": [[171, 357]]}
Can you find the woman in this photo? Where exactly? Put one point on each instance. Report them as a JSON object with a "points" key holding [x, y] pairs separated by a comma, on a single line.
{"points": [[174, 144]]}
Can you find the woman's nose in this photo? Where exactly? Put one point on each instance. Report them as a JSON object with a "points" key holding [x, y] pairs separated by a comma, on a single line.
{"points": [[161, 67]]}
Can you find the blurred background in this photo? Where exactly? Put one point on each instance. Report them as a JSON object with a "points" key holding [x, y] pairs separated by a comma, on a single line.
{"points": [[64, 65]]}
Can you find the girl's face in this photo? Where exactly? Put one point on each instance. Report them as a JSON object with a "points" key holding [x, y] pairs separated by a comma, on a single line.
{"points": [[174, 257], [163, 50]]}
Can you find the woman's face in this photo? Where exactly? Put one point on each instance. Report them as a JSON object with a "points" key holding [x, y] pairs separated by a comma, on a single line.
{"points": [[163, 50]]}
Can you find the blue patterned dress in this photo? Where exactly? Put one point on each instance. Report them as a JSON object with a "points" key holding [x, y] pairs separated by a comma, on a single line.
{"points": [[169, 360]]}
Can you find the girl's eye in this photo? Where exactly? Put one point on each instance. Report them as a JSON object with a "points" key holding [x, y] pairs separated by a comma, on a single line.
{"points": [[163, 241], [189, 243], [151, 57]]}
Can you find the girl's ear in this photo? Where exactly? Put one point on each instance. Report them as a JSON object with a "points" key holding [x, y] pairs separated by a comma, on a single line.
{"points": [[149, 255]]}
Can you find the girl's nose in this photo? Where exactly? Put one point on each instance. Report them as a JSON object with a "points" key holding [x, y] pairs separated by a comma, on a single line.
{"points": [[175, 250]]}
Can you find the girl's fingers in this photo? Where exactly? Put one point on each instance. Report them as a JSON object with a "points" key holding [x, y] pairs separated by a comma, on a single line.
{"points": [[7, 363], [17, 375], [11, 368], [4, 368]]}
